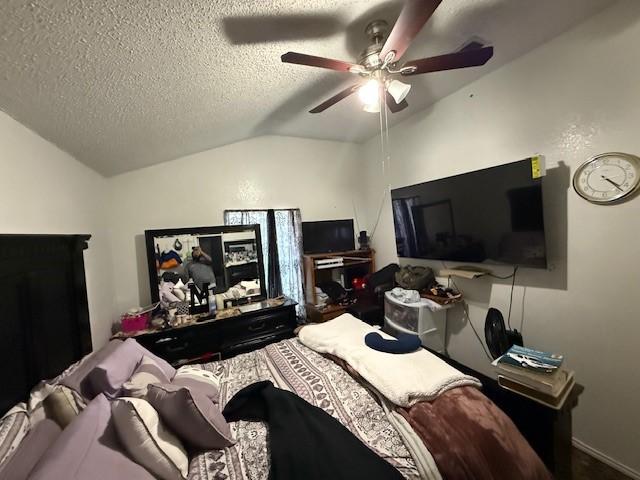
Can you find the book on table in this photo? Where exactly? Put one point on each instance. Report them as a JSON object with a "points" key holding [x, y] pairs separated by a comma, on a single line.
{"points": [[534, 369], [549, 384], [552, 401], [530, 360]]}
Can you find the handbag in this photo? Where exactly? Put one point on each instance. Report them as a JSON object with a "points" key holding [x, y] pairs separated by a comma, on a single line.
{"points": [[415, 278]]}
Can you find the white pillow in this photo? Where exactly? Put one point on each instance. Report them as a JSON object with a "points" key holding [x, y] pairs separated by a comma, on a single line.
{"points": [[147, 440], [146, 373], [188, 371]]}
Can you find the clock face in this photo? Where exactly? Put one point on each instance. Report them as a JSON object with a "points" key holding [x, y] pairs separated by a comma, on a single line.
{"points": [[607, 178]]}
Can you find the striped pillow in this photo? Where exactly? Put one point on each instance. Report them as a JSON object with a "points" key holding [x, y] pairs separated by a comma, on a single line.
{"points": [[198, 379], [146, 373]]}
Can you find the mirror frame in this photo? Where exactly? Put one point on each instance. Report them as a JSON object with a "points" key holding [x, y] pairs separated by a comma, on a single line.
{"points": [[149, 236]]}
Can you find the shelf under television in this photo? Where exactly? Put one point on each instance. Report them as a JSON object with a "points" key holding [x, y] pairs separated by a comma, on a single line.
{"points": [[346, 264], [346, 253]]}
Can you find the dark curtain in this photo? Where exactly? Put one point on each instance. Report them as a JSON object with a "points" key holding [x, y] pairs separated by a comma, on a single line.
{"points": [[273, 273]]}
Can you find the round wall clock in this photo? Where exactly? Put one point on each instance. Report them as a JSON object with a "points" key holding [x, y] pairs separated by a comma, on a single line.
{"points": [[608, 177]]}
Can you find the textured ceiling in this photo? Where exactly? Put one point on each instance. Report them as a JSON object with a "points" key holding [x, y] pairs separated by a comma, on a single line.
{"points": [[122, 84]]}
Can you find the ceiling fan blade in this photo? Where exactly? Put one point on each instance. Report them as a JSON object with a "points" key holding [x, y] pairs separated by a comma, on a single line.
{"points": [[462, 59], [321, 62], [412, 18], [393, 106], [335, 99]]}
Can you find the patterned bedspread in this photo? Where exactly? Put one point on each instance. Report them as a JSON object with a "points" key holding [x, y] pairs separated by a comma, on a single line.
{"points": [[292, 366]]}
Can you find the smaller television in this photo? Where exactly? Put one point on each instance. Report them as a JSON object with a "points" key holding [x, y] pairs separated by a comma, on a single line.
{"points": [[328, 236]]}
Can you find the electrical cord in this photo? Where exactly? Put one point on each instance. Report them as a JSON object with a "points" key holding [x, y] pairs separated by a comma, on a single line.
{"points": [[503, 278], [513, 283], [465, 308], [450, 281], [524, 294]]}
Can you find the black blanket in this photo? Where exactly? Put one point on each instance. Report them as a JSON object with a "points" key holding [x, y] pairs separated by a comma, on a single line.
{"points": [[305, 441]]}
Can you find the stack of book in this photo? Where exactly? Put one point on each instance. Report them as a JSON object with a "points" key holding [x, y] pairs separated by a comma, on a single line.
{"points": [[535, 374]]}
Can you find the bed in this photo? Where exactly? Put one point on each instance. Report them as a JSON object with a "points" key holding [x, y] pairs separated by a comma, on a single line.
{"points": [[458, 435], [321, 382]]}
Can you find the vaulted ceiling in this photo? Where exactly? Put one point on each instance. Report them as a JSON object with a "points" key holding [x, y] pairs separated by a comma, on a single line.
{"points": [[122, 84]]}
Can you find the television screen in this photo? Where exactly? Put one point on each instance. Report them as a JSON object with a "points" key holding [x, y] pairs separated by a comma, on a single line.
{"points": [[328, 236], [487, 216]]}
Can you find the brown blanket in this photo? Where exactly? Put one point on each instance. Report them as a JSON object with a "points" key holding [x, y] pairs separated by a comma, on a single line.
{"points": [[469, 437]]}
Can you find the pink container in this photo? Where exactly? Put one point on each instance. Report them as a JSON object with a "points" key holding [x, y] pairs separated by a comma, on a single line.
{"points": [[133, 323]]}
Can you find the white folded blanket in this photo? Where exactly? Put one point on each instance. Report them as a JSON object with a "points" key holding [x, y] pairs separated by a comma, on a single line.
{"points": [[404, 379]]}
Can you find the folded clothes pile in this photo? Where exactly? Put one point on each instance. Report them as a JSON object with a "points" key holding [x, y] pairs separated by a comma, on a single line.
{"points": [[173, 292], [405, 296], [168, 260]]}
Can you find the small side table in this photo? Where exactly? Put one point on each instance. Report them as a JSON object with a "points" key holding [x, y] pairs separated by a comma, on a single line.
{"points": [[548, 431]]}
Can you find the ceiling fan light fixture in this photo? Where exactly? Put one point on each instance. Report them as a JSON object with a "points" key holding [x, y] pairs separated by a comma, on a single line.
{"points": [[372, 107], [369, 93], [398, 90]]}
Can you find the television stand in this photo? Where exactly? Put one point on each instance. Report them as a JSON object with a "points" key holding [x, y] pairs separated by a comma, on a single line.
{"points": [[321, 267]]}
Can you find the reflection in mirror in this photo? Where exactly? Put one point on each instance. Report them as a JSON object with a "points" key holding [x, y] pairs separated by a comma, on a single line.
{"points": [[222, 266]]}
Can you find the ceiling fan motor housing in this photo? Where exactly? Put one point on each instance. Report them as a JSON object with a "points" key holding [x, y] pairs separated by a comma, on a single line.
{"points": [[377, 32]]}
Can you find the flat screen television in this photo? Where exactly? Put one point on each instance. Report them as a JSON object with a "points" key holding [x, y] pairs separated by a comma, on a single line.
{"points": [[491, 216], [328, 236]]}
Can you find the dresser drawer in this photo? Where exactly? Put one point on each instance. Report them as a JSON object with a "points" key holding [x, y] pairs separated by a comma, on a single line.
{"points": [[179, 344], [226, 336], [243, 329]]}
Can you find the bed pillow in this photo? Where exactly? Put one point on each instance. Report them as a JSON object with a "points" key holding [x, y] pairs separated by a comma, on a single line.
{"points": [[60, 406], [198, 380], [31, 449], [78, 379], [14, 426], [109, 375], [89, 449], [146, 372], [147, 440], [191, 415]]}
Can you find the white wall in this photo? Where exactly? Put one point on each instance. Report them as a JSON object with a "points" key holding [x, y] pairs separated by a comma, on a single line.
{"points": [[569, 99], [45, 190], [319, 177]]}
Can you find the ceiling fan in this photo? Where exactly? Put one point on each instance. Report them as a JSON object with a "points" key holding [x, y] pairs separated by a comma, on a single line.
{"points": [[378, 64]]}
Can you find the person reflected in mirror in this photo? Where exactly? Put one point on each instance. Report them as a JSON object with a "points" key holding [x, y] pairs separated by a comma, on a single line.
{"points": [[200, 268]]}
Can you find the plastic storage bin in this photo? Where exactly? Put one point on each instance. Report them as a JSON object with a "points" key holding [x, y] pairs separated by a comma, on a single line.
{"points": [[418, 319]]}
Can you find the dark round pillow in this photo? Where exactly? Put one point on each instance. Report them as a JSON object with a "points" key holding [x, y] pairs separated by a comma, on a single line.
{"points": [[405, 343]]}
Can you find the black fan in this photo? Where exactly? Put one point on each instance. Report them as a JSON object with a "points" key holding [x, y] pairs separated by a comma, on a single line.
{"points": [[498, 338]]}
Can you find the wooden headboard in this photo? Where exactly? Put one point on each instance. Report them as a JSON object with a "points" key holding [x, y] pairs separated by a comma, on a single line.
{"points": [[44, 315]]}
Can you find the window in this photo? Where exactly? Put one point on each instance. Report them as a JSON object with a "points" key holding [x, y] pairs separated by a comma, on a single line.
{"points": [[288, 235]]}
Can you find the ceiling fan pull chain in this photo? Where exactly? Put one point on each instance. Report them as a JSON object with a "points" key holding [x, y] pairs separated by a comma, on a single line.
{"points": [[386, 159]]}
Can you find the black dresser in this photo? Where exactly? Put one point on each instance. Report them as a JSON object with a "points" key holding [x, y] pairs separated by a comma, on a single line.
{"points": [[220, 338]]}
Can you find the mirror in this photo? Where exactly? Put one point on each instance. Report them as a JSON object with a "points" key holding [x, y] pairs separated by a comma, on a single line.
{"points": [[188, 263]]}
